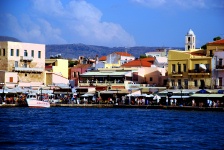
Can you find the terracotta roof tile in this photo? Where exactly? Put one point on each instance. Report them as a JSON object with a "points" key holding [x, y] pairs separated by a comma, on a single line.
{"points": [[103, 58], [218, 42], [123, 53], [145, 62]]}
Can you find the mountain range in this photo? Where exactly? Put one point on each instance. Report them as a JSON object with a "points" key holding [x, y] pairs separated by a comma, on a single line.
{"points": [[71, 51]]}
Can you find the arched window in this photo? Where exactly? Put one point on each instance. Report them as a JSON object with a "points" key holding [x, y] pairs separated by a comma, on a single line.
{"points": [[189, 39]]}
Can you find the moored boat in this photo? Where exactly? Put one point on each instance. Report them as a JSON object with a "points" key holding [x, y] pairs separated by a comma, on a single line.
{"points": [[33, 100]]}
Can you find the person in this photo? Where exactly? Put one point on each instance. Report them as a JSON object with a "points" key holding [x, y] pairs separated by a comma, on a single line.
{"points": [[175, 102], [208, 102], [171, 102], [167, 100], [193, 102]]}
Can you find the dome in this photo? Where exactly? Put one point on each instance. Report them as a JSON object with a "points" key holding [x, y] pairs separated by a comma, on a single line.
{"points": [[190, 32]]}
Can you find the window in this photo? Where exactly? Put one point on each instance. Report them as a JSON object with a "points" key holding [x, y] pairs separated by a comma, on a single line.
{"points": [[12, 52], [220, 62], [185, 67], [3, 52], [207, 67], [10, 79], [150, 79], [179, 83], [32, 53], [17, 52], [173, 68], [179, 68], [189, 39], [196, 67], [39, 54], [195, 83], [16, 64], [74, 74], [25, 53]]}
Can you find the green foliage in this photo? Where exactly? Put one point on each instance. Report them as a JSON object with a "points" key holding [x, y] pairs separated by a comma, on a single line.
{"points": [[217, 38], [72, 63], [204, 46], [143, 56]]}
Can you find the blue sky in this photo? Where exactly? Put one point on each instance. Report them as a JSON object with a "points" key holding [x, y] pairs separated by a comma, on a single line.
{"points": [[112, 23]]}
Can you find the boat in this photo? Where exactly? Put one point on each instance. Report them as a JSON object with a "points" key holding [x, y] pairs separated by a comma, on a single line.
{"points": [[35, 100]]}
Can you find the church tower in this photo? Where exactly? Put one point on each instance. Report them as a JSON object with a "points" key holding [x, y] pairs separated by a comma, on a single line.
{"points": [[190, 40]]}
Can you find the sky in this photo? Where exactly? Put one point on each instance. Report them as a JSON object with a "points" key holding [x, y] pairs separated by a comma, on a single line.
{"points": [[112, 23]]}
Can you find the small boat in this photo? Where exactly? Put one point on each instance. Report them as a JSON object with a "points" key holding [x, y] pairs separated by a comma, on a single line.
{"points": [[33, 100]]}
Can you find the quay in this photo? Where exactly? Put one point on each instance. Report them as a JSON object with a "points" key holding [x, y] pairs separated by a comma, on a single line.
{"points": [[185, 108]]}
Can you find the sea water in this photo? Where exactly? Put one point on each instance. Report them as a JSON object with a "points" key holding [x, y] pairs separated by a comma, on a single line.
{"points": [[109, 128]]}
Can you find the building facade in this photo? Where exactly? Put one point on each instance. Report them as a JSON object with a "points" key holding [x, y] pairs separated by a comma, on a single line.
{"points": [[27, 60]]}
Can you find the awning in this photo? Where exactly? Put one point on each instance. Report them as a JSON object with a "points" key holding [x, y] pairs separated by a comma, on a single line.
{"points": [[199, 95], [104, 74], [179, 96], [207, 95], [87, 95], [215, 95]]}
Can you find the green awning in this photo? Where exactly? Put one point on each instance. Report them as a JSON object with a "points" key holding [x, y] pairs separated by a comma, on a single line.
{"points": [[207, 95]]}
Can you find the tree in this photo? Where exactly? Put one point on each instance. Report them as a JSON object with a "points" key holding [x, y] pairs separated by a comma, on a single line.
{"points": [[143, 56], [217, 38], [204, 46]]}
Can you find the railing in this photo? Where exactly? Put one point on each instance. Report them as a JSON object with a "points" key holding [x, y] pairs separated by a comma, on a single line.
{"points": [[220, 67], [27, 58], [24, 69], [178, 73], [199, 72]]}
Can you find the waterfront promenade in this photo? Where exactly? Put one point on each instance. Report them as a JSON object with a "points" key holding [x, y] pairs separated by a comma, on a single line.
{"points": [[186, 108]]}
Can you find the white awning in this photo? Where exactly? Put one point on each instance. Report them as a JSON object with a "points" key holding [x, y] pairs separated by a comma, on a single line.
{"points": [[179, 96]]}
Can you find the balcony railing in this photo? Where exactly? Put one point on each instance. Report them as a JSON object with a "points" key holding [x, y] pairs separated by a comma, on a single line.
{"points": [[26, 58], [24, 69], [178, 73], [220, 67], [199, 72]]}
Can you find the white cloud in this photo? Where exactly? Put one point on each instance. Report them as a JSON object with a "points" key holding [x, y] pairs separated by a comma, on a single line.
{"points": [[53, 22], [177, 3]]}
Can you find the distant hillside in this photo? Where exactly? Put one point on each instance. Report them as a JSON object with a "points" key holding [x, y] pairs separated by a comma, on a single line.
{"points": [[76, 50], [7, 38]]}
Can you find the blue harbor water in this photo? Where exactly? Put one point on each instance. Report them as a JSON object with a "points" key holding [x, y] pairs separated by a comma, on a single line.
{"points": [[109, 128]]}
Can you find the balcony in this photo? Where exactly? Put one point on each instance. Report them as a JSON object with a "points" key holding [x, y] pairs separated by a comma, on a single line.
{"points": [[26, 58], [199, 72], [220, 67], [177, 74], [24, 69]]}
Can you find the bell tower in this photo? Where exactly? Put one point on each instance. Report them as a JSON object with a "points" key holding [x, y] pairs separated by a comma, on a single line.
{"points": [[190, 40]]}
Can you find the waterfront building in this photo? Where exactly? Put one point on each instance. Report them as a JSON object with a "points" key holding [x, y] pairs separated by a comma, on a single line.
{"points": [[57, 66], [214, 46], [157, 53], [147, 72], [189, 69], [116, 59], [218, 69], [22, 64]]}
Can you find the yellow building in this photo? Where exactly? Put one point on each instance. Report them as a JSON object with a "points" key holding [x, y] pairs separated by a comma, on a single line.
{"points": [[58, 66], [214, 46], [189, 69]]}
